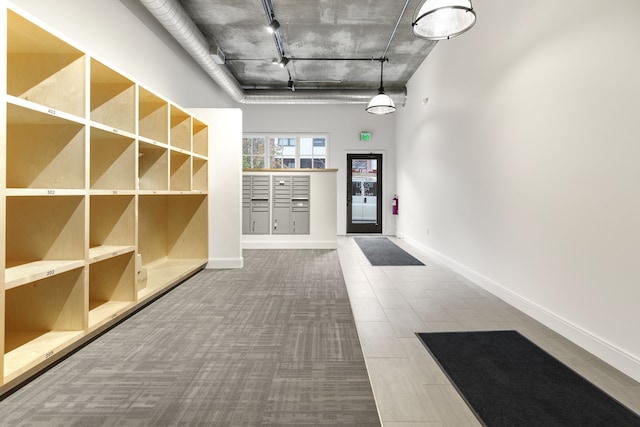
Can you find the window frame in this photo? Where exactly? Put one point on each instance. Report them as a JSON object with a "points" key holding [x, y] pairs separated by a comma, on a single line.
{"points": [[267, 137], [252, 155]]}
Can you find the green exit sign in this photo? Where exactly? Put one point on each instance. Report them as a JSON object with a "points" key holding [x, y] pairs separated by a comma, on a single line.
{"points": [[365, 136]]}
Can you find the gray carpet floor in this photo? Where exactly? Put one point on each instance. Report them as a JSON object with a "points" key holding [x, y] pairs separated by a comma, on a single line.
{"points": [[272, 344]]}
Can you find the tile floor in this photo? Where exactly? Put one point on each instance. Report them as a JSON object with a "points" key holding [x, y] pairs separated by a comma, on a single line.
{"points": [[390, 304]]}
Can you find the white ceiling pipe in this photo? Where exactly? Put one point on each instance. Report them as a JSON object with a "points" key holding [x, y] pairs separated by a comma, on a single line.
{"points": [[319, 96], [177, 22]]}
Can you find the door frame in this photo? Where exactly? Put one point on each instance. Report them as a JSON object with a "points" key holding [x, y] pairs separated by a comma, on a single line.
{"points": [[373, 228]]}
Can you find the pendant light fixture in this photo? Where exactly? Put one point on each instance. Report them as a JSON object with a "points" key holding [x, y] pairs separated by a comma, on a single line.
{"points": [[381, 103], [443, 19]]}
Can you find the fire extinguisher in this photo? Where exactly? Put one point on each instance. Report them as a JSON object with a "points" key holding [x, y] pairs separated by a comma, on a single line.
{"points": [[394, 205]]}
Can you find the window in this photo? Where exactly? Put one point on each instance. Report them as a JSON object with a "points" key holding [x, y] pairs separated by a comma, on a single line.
{"points": [[284, 152], [253, 152], [313, 152]]}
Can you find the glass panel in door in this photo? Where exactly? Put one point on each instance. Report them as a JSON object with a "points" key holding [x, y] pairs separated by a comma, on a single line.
{"points": [[364, 193]]}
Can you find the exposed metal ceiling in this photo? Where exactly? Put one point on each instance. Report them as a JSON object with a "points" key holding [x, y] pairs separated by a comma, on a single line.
{"points": [[314, 30]]}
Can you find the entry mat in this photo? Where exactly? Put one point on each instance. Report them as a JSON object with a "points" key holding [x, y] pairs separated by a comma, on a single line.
{"points": [[382, 251], [509, 381]]}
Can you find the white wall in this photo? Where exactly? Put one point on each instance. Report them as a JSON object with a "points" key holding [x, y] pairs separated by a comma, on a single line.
{"points": [[343, 123], [225, 185], [125, 36], [522, 172]]}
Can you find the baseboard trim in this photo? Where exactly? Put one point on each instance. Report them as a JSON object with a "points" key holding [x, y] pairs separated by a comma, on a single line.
{"points": [[614, 356], [282, 244], [223, 263]]}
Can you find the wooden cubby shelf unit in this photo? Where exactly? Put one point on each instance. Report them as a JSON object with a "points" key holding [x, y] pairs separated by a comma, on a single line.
{"points": [[43, 69], [200, 138], [172, 238], [180, 178], [113, 161], [44, 236], [41, 319], [153, 116], [180, 129], [44, 150], [103, 194], [153, 167], [112, 288], [200, 177], [112, 226], [113, 98]]}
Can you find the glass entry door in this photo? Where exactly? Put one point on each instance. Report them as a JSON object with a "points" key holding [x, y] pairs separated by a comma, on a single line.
{"points": [[364, 193]]}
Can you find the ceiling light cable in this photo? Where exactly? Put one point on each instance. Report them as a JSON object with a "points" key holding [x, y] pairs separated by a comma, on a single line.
{"points": [[381, 103]]}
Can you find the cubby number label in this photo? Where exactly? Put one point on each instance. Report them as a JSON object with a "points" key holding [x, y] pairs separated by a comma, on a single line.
{"points": [[50, 272], [51, 192], [115, 130], [49, 354], [52, 111]]}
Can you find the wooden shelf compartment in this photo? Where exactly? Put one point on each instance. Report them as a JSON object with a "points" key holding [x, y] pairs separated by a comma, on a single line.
{"points": [[180, 178], [45, 236], [2, 336], [24, 273], [172, 236], [153, 167], [153, 116], [180, 129], [112, 226], [200, 180], [113, 98], [41, 319], [200, 138], [112, 288], [112, 161], [166, 272], [44, 151], [44, 69]]}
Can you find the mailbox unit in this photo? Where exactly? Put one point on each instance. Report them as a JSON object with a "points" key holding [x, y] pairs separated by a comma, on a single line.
{"points": [[255, 204], [290, 204], [285, 196]]}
